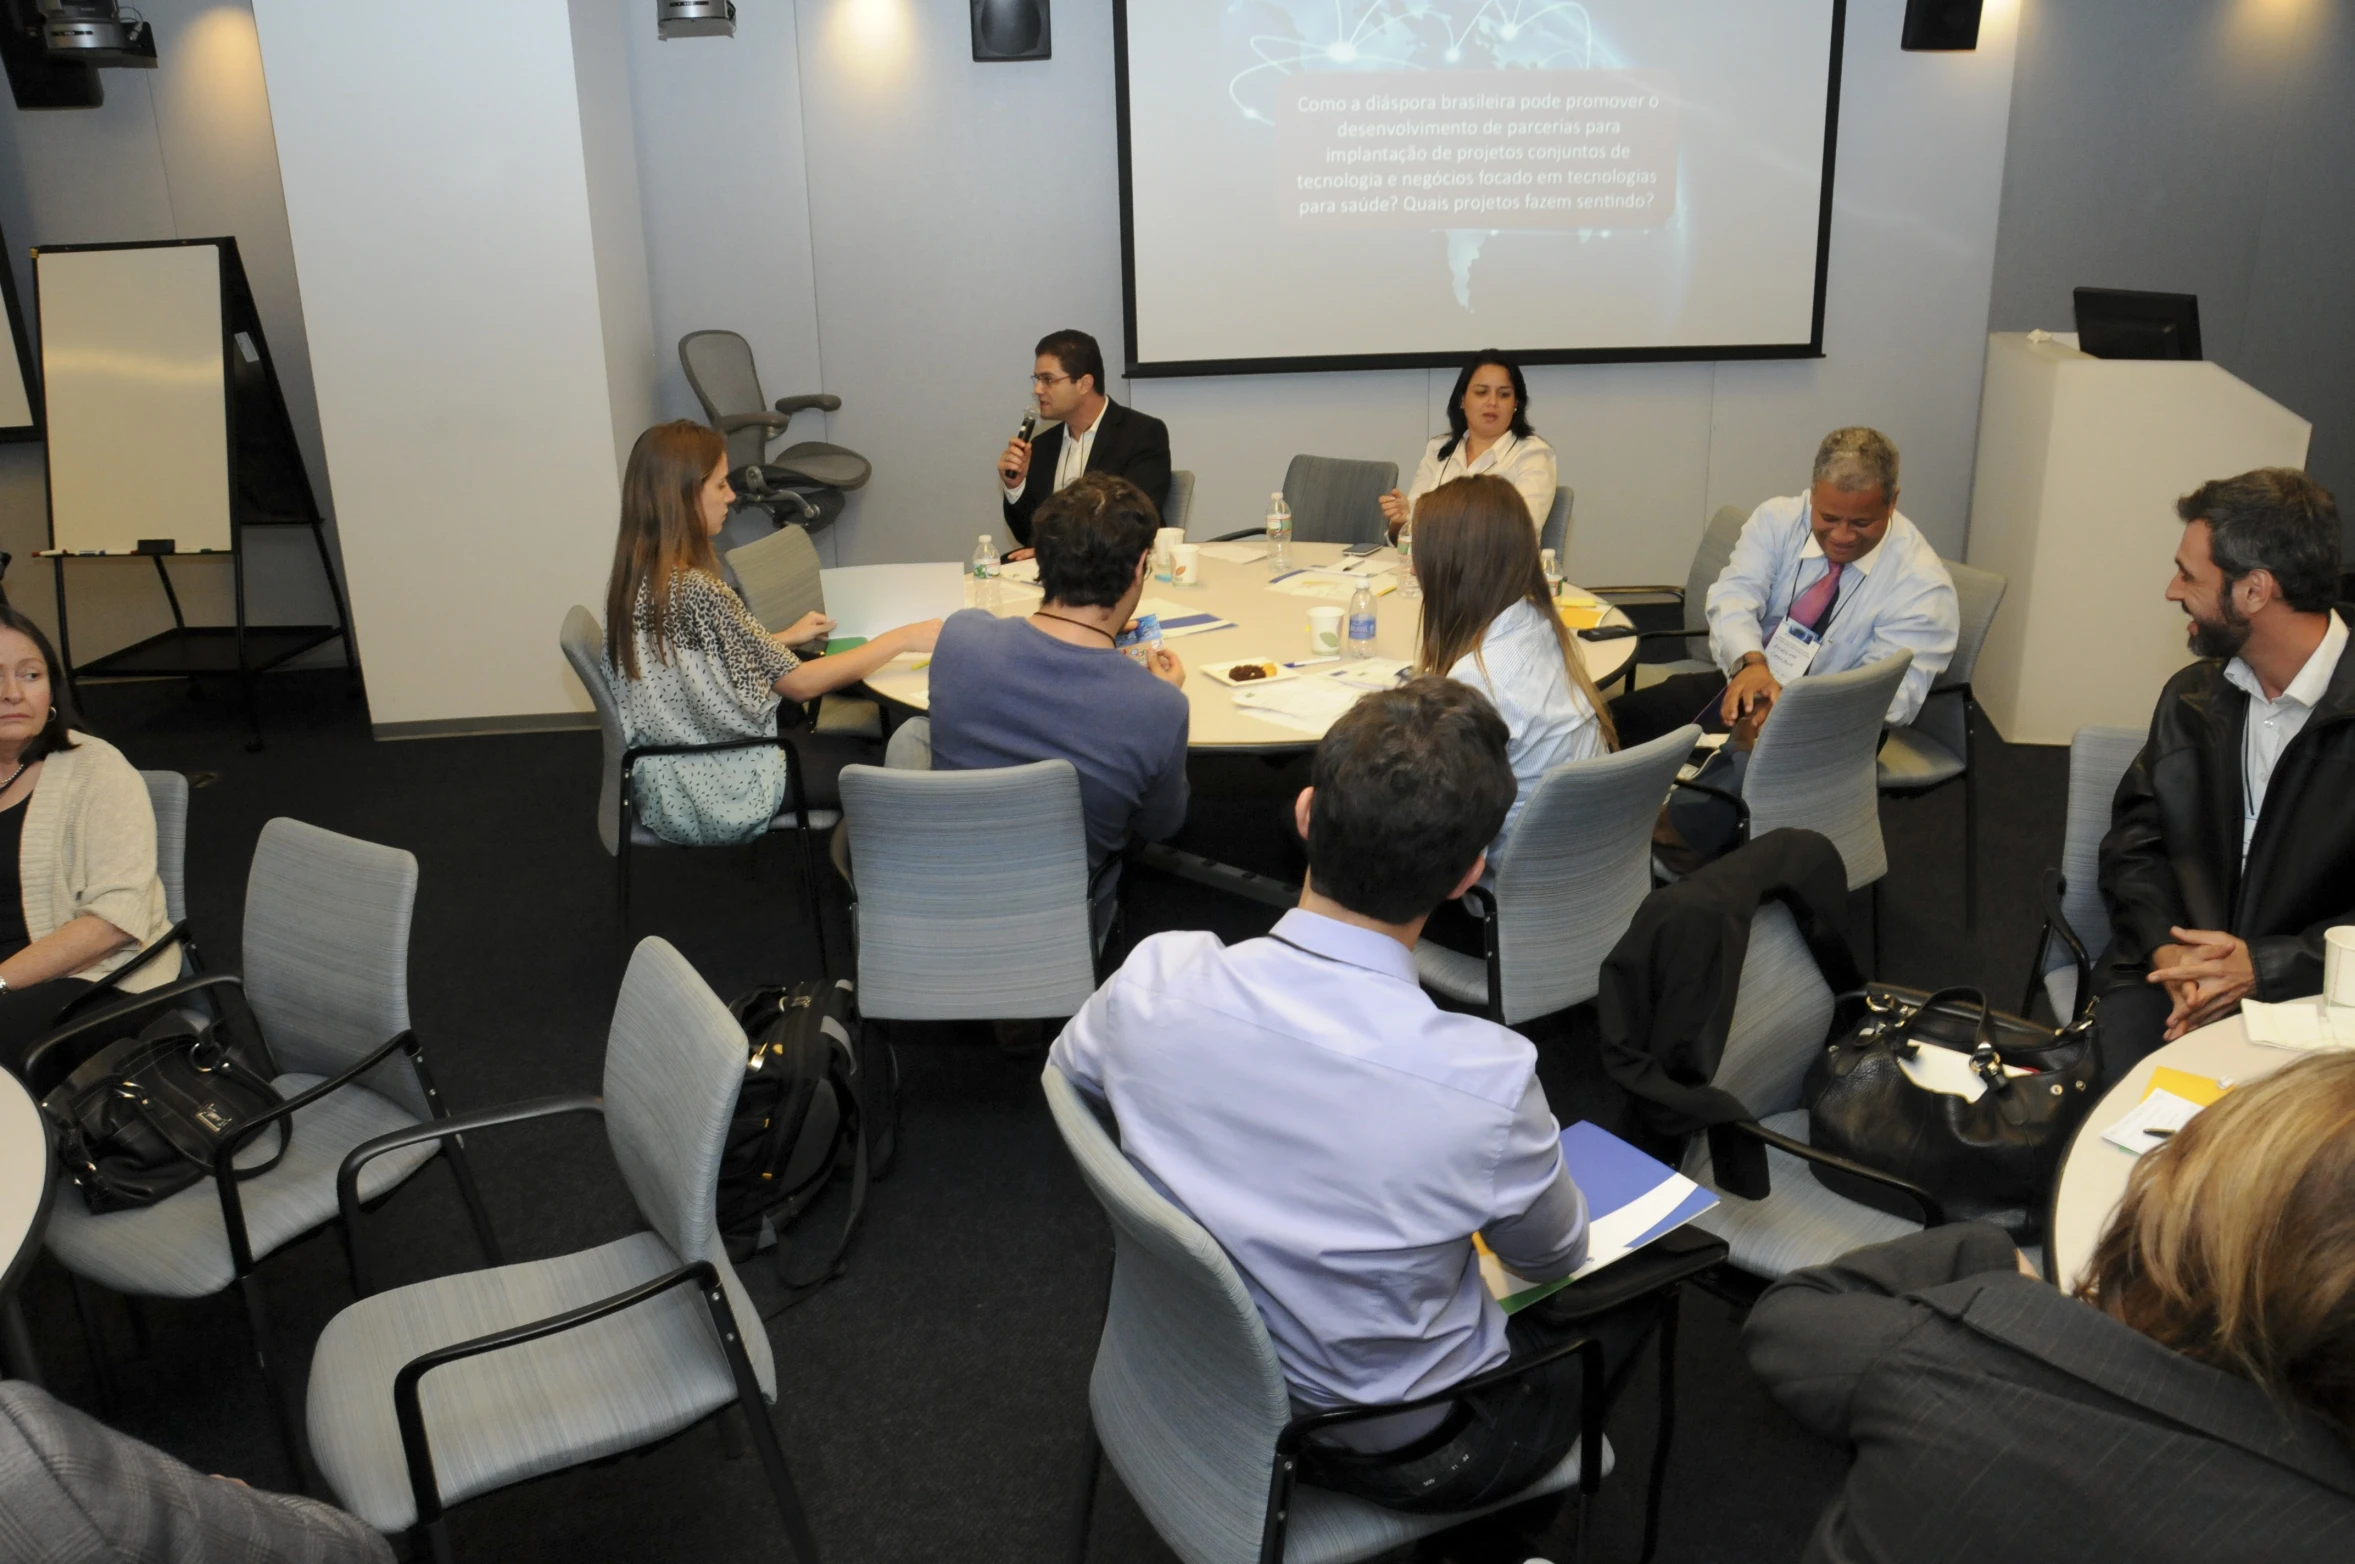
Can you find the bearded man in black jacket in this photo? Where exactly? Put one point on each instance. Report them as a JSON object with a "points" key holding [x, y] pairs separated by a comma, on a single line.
{"points": [[2232, 840]]}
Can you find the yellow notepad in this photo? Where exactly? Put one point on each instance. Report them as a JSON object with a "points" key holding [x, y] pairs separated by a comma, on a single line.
{"points": [[2191, 1088]]}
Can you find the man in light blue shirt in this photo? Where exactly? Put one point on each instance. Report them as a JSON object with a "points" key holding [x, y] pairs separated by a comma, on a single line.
{"points": [[1856, 581], [1341, 1136]]}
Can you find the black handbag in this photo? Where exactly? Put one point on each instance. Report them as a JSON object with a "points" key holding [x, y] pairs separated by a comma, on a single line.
{"points": [[142, 1116], [1992, 1158]]}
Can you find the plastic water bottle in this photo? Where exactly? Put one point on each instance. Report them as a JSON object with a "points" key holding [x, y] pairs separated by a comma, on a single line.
{"points": [[1359, 642], [1408, 586], [981, 577], [1553, 572], [1279, 532]]}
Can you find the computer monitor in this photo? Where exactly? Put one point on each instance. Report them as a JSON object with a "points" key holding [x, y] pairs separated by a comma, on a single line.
{"points": [[2128, 323]]}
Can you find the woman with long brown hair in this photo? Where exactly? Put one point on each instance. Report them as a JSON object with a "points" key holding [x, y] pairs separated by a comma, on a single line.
{"points": [[1489, 621], [2202, 1407], [687, 662]]}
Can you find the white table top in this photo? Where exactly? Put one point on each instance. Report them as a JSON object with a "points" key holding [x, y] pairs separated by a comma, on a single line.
{"points": [[2093, 1177], [1267, 624], [25, 1165]]}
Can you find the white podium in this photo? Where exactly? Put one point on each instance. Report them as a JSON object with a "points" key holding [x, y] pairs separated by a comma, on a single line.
{"points": [[2081, 460]]}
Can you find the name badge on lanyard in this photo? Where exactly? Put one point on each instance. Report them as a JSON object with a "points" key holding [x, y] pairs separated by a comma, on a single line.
{"points": [[1792, 651]]}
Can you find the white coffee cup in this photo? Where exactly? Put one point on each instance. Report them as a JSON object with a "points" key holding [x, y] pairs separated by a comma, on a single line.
{"points": [[1324, 632], [2338, 966], [1167, 539], [1186, 564]]}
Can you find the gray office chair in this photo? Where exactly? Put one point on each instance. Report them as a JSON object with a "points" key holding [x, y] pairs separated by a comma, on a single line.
{"points": [[1814, 766], [2098, 758], [1190, 1404], [972, 896], [1555, 534], [167, 794], [780, 580], [1333, 500], [1179, 505], [1710, 557], [444, 1389], [1935, 748], [1782, 1019], [617, 824], [804, 482], [326, 962], [1578, 866]]}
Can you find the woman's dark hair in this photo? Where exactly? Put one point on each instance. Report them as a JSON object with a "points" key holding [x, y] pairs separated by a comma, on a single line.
{"points": [[2274, 519], [1455, 400], [1412, 785], [1076, 351], [661, 533], [65, 717], [1089, 537]]}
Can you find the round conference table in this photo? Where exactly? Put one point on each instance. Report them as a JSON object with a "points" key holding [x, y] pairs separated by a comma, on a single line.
{"points": [[27, 1173], [2093, 1175], [1267, 623]]}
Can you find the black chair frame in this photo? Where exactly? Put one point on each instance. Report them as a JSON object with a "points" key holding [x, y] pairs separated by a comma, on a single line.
{"points": [[1970, 728], [431, 1531], [226, 1177]]}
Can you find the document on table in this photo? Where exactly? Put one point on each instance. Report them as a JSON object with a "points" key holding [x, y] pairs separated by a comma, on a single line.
{"points": [[1331, 585], [1023, 570], [1234, 553], [1309, 705], [1181, 618], [1631, 1199], [2303, 1024], [2162, 1111]]}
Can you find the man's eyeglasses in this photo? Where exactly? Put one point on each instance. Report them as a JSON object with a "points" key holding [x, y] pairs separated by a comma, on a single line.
{"points": [[1044, 381]]}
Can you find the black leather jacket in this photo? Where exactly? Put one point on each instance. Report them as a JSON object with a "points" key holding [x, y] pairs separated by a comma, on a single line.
{"points": [[2172, 856]]}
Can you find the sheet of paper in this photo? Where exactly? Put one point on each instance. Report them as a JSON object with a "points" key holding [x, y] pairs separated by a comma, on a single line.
{"points": [[2158, 1111], [1631, 1199], [870, 599], [1370, 673], [1304, 705], [1949, 1070], [1019, 570], [1331, 586], [2299, 1023], [1234, 553]]}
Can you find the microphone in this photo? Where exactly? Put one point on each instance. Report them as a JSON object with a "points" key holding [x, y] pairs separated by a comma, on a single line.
{"points": [[1029, 422]]}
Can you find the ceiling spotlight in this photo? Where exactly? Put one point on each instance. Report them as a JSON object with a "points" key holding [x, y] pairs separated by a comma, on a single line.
{"points": [[93, 32], [694, 19]]}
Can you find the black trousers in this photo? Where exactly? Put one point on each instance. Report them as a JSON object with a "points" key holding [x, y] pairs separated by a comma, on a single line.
{"points": [[2133, 1019], [1644, 715], [29, 1014]]}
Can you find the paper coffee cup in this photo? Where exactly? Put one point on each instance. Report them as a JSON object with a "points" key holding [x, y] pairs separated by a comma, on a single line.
{"points": [[1186, 564], [1324, 632], [2338, 966]]}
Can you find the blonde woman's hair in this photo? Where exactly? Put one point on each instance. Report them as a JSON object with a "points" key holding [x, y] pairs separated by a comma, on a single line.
{"points": [[661, 533], [1476, 556], [2235, 1244]]}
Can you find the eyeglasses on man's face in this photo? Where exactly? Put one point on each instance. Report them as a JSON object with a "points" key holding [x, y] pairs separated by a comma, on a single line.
{"points": [[1042, 382]]}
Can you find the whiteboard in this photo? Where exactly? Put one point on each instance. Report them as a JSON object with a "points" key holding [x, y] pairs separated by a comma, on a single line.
{"points": [[137, 396]]}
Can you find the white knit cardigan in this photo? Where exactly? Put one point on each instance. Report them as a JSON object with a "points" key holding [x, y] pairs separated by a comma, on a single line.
{"points": [[89, 847]]}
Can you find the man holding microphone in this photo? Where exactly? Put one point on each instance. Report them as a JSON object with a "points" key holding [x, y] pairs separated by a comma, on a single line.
{"points": [[1089, 432]]}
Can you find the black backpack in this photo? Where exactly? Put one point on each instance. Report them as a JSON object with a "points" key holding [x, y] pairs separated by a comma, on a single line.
{"points": [[819, 1098]]}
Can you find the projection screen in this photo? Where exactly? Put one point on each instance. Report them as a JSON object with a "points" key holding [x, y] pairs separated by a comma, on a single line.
{"points": [[1330, 184]]}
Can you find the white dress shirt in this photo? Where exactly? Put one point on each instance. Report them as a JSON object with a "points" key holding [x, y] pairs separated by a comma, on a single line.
{"points": [[1342, 1138], [2273, 723], [1071, 462], [1518, 666], [1898, 598], [1526, 463]]}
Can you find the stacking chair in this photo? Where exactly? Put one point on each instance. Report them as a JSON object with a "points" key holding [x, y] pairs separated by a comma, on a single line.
{"points": [[804, 482], [1180, 502], [1555, 534], [780, 580], [972, 896], [1710, 558], [326, 952], [1579, 865], [1191, 1406], [440, 1390], [1935, 748], [617, 822], [1814, 764], [2098, 757]]}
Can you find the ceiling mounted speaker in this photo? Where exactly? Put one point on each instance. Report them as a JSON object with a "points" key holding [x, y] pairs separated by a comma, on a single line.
{"points": [[1941, 24], [1011, 30]]}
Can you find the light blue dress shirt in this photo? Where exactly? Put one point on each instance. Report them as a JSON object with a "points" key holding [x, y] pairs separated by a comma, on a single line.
{"points": [[1898, 596], [1342, 1137], [1518, 666]]}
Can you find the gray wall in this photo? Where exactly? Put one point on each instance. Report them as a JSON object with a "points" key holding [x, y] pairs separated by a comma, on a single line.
{"points": [[2194, 147]]}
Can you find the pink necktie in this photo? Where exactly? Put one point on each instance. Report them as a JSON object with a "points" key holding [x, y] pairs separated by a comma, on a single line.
{"points": [[1810, 605]]}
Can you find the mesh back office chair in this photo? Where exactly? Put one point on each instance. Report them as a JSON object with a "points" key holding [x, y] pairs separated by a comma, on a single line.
{"points": [[780, 580], [1578, 867], [807, 480], [443, 1389], [1555, 534], [2098, 757], [1710, 557], [1935, 748]]}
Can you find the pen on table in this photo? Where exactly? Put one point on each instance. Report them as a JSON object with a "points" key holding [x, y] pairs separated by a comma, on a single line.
{"points": [[1311, 662], [2158, 1134]]}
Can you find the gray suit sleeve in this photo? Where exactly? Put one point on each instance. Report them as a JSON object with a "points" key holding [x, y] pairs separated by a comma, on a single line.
{"points": [[1814, 1335], [73, 1489]]}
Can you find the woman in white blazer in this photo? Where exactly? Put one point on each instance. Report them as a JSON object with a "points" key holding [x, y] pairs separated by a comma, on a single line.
{"points": [[1488, 432]]}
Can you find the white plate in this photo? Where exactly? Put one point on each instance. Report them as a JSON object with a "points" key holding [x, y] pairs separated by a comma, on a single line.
{"points": [[1218, 671]]}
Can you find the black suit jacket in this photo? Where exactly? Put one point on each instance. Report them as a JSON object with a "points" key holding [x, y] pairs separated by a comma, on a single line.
{"points": [[1130, 445], [2173, 853], [1994, 1418]]}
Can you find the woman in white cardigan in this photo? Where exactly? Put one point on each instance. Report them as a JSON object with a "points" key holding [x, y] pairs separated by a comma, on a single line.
{"points": [[79, 896], [1487, 432]]}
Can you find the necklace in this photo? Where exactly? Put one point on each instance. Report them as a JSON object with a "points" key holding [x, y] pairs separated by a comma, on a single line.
{"points": [[1082, 623], [13, 775]]}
